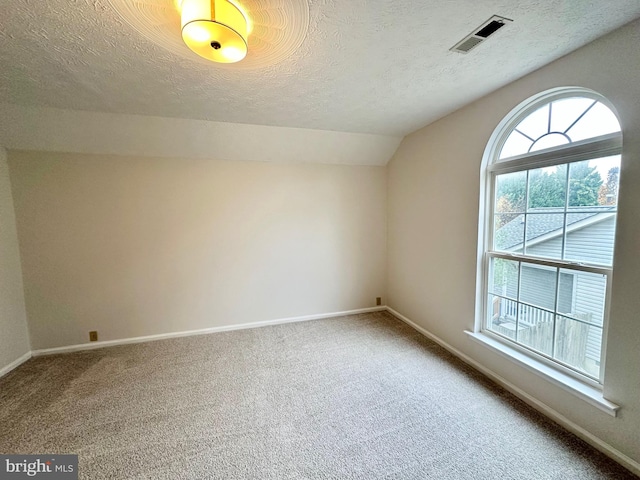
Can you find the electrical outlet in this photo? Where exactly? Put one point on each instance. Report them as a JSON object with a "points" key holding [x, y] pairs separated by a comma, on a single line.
{"points": [[378, 300], [93, 336]]}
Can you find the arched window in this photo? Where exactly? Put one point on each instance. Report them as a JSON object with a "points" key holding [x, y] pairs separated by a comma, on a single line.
{"points": [[552, 170]]}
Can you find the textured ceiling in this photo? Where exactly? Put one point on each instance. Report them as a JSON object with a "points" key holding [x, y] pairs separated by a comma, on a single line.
{"points": [[368, 66]]}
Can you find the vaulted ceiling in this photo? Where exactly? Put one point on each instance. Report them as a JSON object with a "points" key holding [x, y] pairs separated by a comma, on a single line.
{"points": [[361, 66]]}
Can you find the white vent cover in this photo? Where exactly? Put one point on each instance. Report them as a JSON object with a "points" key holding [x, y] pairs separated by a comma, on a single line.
{"points": [[480, 34]]}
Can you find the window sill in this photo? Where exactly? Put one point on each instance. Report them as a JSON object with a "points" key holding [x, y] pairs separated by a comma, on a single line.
{"points": [[588, 393]]}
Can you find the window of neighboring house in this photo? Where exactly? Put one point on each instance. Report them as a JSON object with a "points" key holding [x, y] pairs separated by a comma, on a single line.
{"points": [[550, 218]]}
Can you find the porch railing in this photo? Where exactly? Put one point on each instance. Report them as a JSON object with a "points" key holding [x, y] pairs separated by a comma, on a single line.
{"points": [[529, 315]]}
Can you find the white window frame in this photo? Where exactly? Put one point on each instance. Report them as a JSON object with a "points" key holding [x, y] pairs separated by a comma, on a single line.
{"points": [[598, 147]]}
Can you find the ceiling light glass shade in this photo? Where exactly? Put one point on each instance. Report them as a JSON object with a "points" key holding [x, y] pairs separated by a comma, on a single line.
{"points": [[215, 29]]}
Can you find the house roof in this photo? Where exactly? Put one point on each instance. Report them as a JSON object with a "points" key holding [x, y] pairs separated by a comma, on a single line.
{"points": [[545, 222]]}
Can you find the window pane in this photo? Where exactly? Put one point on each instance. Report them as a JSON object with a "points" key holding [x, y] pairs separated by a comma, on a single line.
{"points": [[538, 286], [584, 184], [535, 329], [599, 120], [579, 345], [509, 233], [566, 295], [609, 170], [509, 201], [544, 234], [510, 192], [516, 144], [590, 237], [566, 111], [502, 315], [583, 295], [547, 188], [503, 277], [536, 124]]}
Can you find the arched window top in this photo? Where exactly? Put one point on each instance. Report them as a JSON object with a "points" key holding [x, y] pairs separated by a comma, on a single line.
{"points": [[567, 118]]}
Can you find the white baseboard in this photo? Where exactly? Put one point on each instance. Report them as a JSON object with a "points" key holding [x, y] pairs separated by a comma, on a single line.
{"points": [[15, 364], [204, 331], [543, 408]]}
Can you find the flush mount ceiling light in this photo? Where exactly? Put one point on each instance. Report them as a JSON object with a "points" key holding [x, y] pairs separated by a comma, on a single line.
{"points": [[215, 29], [275, 29]]}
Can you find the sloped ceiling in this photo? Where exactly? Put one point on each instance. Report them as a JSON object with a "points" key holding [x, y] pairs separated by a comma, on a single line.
{"points": [[360, 66]]}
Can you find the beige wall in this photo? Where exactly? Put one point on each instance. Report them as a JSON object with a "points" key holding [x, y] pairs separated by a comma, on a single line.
{"points": [[133, 246], [433, 190], [14, 336], [102, 133]]}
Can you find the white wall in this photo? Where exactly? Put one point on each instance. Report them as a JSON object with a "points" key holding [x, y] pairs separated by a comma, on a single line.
{"points": [[133, 246], [433, 189], [14, 336], [56, 130]]}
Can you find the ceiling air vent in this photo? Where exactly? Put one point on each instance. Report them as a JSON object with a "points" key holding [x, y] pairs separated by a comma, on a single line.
{"points": [[481, 33]]}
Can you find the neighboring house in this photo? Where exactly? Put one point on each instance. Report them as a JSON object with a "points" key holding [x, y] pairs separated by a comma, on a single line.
{"points": [[589, 239]]}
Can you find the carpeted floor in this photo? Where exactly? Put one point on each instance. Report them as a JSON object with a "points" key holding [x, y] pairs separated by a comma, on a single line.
{"points": [[357, 397]]}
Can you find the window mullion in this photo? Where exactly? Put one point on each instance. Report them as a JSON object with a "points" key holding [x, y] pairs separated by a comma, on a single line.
{"points": [[605, 328], [604, 146], [566, 207], [555, 315], [579, 267], [518, 299], [526, 209], [581, 115]]}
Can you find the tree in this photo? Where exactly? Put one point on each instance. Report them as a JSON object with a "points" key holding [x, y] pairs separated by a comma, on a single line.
{"points": [[511, 192], [584, 185], [608, 193], [547, 189]]}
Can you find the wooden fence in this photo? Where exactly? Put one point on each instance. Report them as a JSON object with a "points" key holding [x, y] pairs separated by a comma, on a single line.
{"points": [[535, 329]]}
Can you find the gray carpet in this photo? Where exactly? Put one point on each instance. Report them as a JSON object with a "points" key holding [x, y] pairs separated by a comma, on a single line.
{"points": [[357, 397]]}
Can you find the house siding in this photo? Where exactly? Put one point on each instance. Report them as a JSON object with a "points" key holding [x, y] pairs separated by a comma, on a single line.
{"points": [[550, 249], [590, 293], [538, 287], [591, 244]]}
